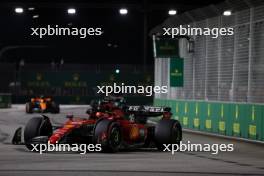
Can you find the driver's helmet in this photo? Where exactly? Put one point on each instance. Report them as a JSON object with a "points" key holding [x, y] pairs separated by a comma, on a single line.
{"points": [[101, 105], [116, 101], [119, 102], [108, 103]]}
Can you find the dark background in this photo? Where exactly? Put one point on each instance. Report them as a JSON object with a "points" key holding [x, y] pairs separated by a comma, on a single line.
{"points": [[125, 34]]}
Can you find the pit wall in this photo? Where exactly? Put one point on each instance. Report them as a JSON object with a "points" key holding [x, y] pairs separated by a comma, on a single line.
{"points": [[230, 119]]}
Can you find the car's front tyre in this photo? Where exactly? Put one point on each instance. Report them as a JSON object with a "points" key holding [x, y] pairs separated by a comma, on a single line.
{"points": [[36, 126]]}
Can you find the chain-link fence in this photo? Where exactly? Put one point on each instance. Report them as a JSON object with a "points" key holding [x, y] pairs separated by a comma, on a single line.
{"points": [[228, 68]]}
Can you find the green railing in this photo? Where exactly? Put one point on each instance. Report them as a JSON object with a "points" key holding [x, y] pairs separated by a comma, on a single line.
{"points": [[231, 119]]}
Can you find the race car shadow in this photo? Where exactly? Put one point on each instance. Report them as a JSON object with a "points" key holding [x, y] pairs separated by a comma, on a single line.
{"points": [[25, 150], [124, 151], [139, 150], [22, 149]]}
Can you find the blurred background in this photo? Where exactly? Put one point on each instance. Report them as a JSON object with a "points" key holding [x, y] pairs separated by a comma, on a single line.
{"points": [[69, 68]]}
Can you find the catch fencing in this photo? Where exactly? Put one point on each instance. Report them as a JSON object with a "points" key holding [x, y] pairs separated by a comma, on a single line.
{"points": [[224, 77]]}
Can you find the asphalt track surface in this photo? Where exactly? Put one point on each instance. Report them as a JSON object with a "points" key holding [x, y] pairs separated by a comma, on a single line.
{"points": [[246, 159]]}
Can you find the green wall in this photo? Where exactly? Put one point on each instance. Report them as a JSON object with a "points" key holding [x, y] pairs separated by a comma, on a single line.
{"points": [[5, 100], [231, 119]]}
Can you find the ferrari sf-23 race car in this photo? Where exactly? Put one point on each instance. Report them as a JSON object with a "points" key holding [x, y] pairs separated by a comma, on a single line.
{"points": [[112, 127], [42, 104]]}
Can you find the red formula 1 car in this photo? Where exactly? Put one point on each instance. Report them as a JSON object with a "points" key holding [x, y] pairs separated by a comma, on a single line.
{"points": [[113, 127]]}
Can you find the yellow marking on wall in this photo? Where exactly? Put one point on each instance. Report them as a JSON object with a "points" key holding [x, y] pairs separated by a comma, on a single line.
{"points": [[253, 113], [222, 111], [222, 126], [196, 122], [208, 110], [185, 108], [185, 121], [236, 127], [177, 107], [252, 130], [208, 124], [196, 108], [236, 115]]}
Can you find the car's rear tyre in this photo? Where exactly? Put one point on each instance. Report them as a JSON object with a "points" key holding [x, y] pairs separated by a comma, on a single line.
{"points": [[36, 126], [167, 131], [29, 108], [108, 134]]}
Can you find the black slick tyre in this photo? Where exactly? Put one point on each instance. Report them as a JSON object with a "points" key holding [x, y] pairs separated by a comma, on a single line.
{"points": [[167, 131], [108, 134], [36, 126]]}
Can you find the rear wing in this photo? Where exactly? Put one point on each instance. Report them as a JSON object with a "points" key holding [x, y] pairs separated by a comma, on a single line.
{"points": [[148, 110]]}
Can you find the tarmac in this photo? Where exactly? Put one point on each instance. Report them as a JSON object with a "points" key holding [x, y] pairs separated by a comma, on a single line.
{"points": [[246, 159]]}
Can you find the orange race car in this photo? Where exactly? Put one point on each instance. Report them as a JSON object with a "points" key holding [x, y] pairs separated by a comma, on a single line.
{"points": [[42, 104]]}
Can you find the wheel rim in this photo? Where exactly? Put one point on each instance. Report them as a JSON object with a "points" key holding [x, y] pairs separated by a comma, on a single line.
{"points": [[175, 133], [27, 108], [114, 137]]}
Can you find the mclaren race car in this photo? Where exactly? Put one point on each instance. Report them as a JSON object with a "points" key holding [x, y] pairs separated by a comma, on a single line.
{"points": [[113, 128], [42, 104]]}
